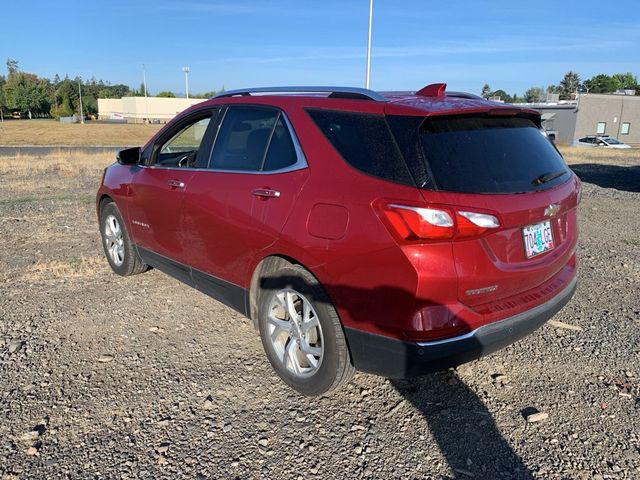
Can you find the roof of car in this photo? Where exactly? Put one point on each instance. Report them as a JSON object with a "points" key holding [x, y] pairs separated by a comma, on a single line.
{"points": [[430, 100]]}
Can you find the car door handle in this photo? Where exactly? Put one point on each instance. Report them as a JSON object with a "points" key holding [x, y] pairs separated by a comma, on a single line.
{"points": [[175, 184], [266, 193]]}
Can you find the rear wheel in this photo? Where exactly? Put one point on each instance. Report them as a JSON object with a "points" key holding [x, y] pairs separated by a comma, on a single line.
{"points": [[120, 252], [301, 333]]}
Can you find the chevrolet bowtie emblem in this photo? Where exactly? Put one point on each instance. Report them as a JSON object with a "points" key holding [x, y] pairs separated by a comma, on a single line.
{"points": [[551, 210]]}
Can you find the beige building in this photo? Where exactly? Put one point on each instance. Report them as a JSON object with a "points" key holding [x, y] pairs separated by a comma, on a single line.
{"points": [[141, 109], [608, 114]]}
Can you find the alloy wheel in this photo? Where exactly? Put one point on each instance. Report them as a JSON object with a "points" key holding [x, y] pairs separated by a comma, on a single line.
{"points": [[113, 239], [295, 333]]}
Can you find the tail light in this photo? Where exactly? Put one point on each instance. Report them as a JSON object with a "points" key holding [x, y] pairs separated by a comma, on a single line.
{"points": [[436, 223]]}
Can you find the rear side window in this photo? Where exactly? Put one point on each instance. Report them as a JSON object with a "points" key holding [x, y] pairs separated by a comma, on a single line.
{"points": [[365, 142], [281, 152], [490, 155]]}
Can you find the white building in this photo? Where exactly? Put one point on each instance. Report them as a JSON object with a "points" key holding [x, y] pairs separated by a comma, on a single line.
{"points": [[141, 109]]}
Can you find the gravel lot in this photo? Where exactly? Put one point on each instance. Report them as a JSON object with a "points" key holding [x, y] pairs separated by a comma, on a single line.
{"points": [[105, 377]]}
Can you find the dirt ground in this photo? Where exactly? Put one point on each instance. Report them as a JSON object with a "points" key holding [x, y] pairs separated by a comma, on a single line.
{"points": [[142, 377], [52, 132]]}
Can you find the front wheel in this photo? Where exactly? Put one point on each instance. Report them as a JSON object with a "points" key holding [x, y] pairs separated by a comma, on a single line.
{"points": [[120, 252], [301, 333]]}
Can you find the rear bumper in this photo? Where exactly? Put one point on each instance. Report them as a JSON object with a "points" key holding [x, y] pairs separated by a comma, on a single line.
{"points": [[395, 358]]}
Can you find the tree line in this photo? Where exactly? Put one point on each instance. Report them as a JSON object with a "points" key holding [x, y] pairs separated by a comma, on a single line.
{"points": [[569, 86], [34, 96]]}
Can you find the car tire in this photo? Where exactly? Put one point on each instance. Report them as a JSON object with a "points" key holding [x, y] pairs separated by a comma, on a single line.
{"points": [[120, 252], [312, 357]]}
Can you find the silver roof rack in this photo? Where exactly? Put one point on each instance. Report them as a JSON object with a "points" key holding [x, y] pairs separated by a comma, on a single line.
{"points": [[334, 92]]}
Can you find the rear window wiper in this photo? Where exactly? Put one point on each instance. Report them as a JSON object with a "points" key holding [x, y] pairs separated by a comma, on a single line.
{"points": [[547, 177]]}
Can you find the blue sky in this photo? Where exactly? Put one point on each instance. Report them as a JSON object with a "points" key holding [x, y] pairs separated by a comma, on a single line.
{"points": [[509, 44]]}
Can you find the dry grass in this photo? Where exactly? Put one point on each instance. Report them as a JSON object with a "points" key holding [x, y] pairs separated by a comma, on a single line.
{"points": [[604, 156], [57, 163], [52, 132], [56, 269], [53, 173]]}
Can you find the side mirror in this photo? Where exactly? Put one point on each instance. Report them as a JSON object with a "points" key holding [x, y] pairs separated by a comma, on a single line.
{"points": [[129, 156]]}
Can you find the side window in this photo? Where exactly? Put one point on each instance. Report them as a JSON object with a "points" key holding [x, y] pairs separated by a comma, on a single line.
{"points": [[626, 127], [243, 138], [281, 152], [182, 149], [253, 139], [365, 142]]}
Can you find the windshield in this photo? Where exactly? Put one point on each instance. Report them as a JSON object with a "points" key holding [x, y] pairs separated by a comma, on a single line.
{"points": [[483, 154], [612, 141]]}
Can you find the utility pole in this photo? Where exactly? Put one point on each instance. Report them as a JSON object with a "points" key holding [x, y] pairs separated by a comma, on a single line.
{"points": [[186, 71], [368, 75], [81, 111], [144, 83]]}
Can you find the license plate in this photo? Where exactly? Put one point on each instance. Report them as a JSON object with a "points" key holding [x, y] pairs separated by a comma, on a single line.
{"points": [[537, 239]]}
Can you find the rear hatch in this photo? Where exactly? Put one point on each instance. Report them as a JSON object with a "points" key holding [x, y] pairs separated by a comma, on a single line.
{"points": [[504, 166]]}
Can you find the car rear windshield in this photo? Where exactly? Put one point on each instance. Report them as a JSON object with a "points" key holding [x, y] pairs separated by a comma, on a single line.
{"points": [[484, 154]]}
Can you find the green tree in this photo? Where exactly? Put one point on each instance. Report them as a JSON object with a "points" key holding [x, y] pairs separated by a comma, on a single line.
{"points": [[504, 96], [625, 81], [600, 84], [26, 93], [89, 104], [102, 90], [63, 109], [569, 85], [120, 90], [486, 91], [66, 89], [534, 95], [603, 83], [104, 93], [3, 102], [166, 94], [12, 66], [142, 91]]}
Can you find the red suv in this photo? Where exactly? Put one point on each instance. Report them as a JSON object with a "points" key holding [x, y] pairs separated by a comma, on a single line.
{"points": [[395, 233]]}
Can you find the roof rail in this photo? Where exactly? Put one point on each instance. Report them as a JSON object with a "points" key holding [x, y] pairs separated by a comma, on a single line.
{"points": [[464, 95], [334, 92]]}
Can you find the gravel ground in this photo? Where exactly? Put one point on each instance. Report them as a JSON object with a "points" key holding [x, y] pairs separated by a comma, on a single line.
{"points": [[105, 377]]}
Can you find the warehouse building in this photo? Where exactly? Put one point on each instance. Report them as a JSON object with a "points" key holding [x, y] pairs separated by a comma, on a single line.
{"points": [[143, 109], [616, 115]]}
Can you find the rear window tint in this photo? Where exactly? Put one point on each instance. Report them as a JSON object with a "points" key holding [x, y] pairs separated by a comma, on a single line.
{"points": [[490, 155], [281, 152], [365, 142]]}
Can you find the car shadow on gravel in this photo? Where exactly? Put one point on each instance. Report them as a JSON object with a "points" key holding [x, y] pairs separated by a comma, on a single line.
{"points": [[462, 426], [458, 419], [609, 176]]}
